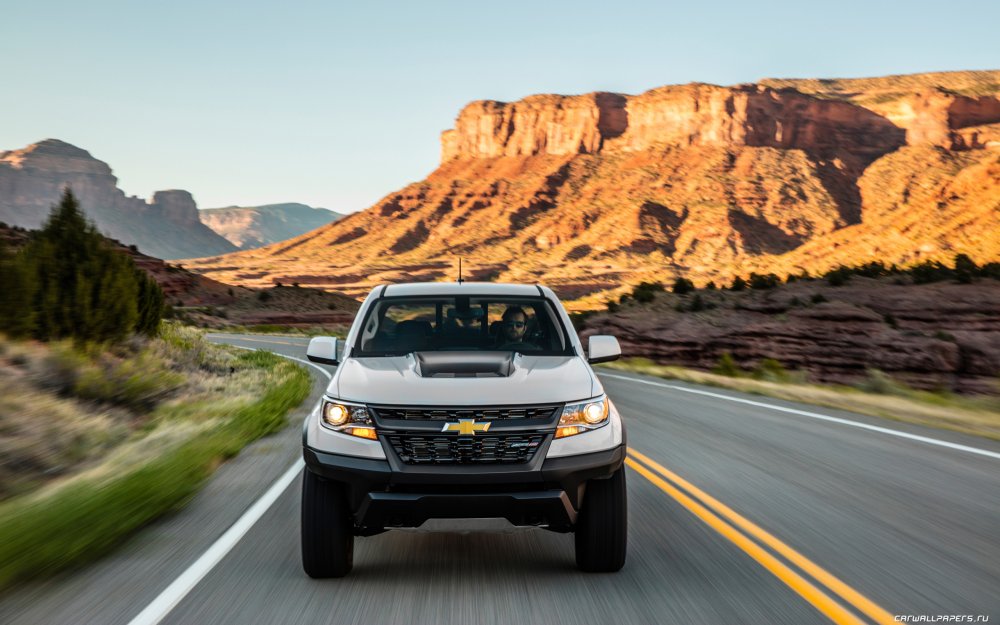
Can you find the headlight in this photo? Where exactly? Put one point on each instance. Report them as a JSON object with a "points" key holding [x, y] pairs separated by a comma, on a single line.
{"points": [[348, 418], [578, 418]]}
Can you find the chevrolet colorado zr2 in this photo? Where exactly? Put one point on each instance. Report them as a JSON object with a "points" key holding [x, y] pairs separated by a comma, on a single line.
{"points": [[462, 400]]}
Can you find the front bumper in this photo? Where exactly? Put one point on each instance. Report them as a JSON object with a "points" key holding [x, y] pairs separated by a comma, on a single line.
{"points": [[384, 495]]}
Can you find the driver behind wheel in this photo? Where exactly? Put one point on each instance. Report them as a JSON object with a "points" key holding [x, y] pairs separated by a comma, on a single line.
{"points": [[513, 329]]}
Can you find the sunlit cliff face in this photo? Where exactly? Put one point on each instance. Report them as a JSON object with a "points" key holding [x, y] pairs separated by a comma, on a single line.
{"points": [[588, 193]]}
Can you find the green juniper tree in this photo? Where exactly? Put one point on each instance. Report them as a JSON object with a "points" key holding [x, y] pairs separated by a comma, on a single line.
{"points": [[77, 285]]}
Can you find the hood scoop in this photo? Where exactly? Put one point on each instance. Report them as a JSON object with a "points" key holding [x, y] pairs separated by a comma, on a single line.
{"points": [[464, 364]]}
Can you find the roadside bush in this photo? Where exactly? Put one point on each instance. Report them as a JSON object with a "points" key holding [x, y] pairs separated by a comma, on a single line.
{"points": [[881, 383], [727, 366], [770, 370]]}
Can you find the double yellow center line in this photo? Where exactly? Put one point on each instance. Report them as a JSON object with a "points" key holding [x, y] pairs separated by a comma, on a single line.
{"points": [[753, 539]]}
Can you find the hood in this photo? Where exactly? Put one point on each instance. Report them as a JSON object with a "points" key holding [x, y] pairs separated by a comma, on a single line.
{"points": [[529, 380]]}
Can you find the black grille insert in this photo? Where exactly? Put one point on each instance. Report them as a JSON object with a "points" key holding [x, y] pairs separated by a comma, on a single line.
{"points": [[483, 449], [486, 413]]}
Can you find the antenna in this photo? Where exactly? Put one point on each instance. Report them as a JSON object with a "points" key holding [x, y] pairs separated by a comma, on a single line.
{"points": [[460, 270]]}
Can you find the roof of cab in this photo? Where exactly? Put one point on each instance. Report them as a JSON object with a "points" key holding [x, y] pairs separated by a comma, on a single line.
{"points": [[464, 288]]}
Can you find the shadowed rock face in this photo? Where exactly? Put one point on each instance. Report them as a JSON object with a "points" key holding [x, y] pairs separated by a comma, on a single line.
{"points": [[589, 193], [32, 181]]}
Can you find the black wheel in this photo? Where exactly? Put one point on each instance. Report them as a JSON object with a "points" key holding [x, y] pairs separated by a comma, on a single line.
{"points": [[602, 526], [327, 528]]}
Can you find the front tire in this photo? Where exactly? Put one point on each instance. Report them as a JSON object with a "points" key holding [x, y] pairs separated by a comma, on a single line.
{"points": [[602, 526], [327, 528]]}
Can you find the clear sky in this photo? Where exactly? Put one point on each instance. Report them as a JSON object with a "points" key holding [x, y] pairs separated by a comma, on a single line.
{"points": [[336, 104]]}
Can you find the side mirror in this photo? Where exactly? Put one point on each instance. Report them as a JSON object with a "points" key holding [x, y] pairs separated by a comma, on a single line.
{"points": [[603, 348], [323, 349]]}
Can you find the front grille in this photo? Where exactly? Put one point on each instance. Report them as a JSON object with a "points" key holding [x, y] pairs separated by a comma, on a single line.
{"points": [[442, 449], [451, 414]]}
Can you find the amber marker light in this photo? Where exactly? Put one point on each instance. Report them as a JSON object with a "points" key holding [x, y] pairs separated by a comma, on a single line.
{"points": [[368, 433], [568, 431]]}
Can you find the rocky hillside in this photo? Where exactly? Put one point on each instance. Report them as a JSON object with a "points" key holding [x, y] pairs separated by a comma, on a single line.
{"points": [[167, 226], [941, 335], [250, 227], [588, 193]]}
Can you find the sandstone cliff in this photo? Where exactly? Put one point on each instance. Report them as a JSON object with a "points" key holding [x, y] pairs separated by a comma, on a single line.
{"points": [[589, 193], [250, 227], [32, 180]]}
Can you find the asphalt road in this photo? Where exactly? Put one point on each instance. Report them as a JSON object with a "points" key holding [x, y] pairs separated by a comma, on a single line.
{"points": [[760, 512]]}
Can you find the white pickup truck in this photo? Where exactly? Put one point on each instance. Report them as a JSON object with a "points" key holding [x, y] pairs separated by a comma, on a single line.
{"points": [[462, 400]]}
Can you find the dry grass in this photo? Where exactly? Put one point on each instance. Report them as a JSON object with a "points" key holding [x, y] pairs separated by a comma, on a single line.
{"points": [[977, 416], [130, 468]]}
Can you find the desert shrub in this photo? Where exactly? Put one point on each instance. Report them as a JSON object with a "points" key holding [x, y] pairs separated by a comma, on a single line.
{"points": [[264, 296], [929, 271], [766, 281], [771, 370], [739, 284], [682, 286], [710, 286], [613, 306], [697, 304], [818, 298], [646, 291], [838, 277], [965, 269], [137, 383], [881, 383], [890, 320], [727, 366]]}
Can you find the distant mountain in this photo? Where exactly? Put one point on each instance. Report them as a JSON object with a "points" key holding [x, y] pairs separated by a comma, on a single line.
{"points": [[32, 180], [593, 192], [249, 227]]}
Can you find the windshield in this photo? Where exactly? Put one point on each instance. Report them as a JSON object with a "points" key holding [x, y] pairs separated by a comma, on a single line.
{"points": [[399, 325]]}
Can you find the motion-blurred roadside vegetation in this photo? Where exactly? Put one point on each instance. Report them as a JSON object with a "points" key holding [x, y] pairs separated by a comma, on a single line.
{"points": [[109, 416]]}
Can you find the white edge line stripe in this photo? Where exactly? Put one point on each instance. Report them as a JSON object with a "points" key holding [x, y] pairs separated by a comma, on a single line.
{"points": [[172, 595], [815, 415], [176, 591]]}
